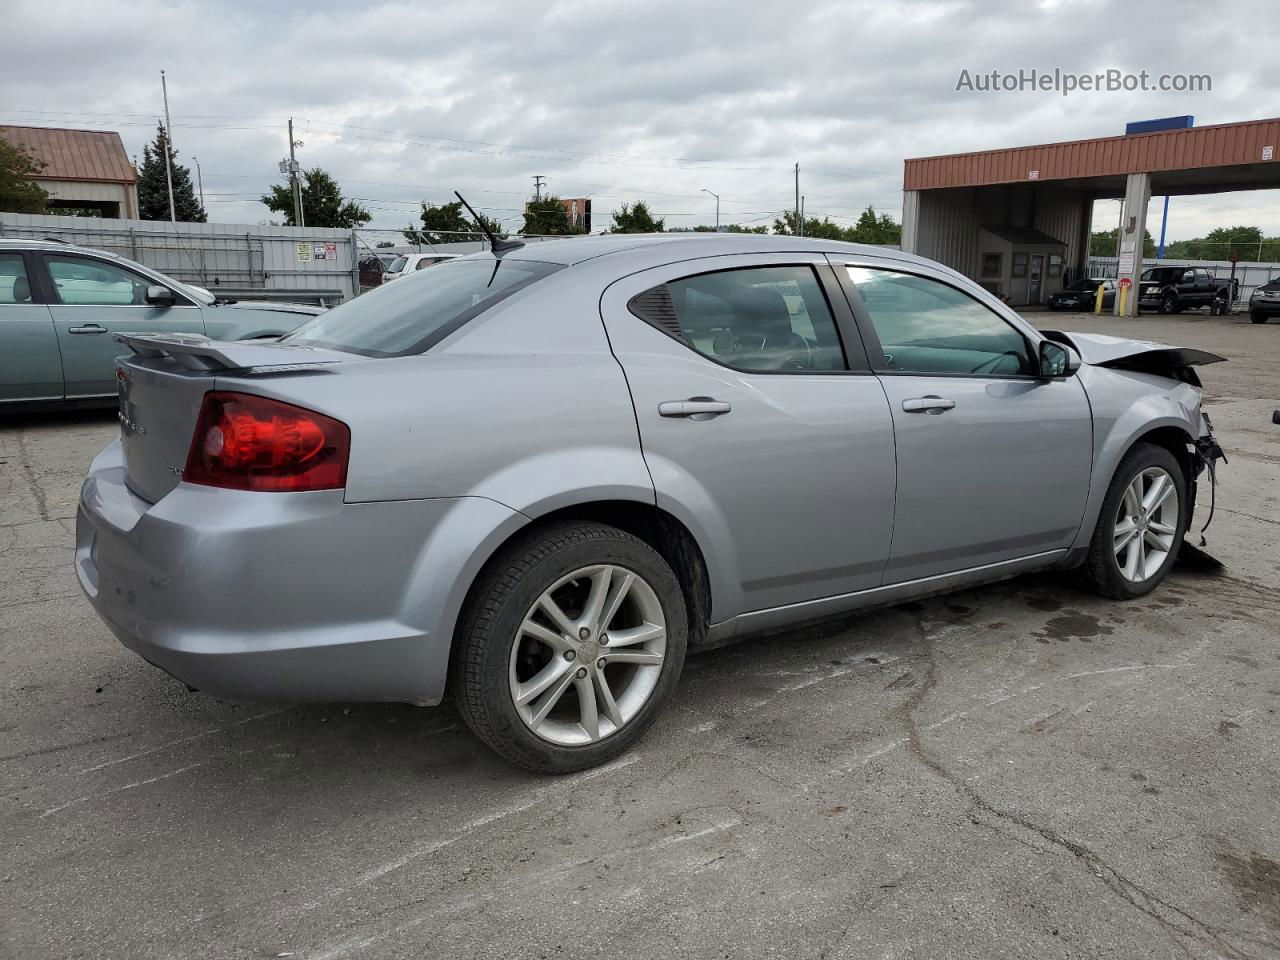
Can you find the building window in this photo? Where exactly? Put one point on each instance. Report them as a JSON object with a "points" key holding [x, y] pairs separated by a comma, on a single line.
{"points": [[992, 264], [1019, 264], [1055, 265]]}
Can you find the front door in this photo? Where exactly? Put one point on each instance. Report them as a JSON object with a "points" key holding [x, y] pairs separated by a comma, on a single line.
{"points": [[95, 298], [759, 433], [1035, 281], [993, 462]]}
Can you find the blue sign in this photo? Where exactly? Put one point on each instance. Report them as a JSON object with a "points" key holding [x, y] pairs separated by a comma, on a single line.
{"points": [[1155, 126]]}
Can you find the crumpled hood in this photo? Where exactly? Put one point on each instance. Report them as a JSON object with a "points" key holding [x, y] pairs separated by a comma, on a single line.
{"points": [[1101, 350]]}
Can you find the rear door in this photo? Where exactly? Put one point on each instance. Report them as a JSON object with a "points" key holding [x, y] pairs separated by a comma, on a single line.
{"points": [[993, 462], [95, 298], [760, 432], [30, 367]]}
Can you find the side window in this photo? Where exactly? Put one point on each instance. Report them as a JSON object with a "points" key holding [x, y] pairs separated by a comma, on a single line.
{"points": [[14, 286], [928, 327], [91, 282], [761, 318]]}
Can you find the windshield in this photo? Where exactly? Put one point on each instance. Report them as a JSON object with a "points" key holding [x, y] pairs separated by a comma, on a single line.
{"points": [[1084, 285], [424, 307], [1161, 273], [396, 265]]}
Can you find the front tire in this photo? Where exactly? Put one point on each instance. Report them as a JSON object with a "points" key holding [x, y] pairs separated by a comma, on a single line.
{"points": [[1168, 303], [572, 643], [1141, 525], [1257, 317]]}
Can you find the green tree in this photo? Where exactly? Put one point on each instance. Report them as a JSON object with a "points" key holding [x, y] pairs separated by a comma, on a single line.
{"points": [[635, 218], [881, 230], [19, 193], [726, 228], [1219, 244], [547, 217], [449, 223], [153, 188], [822, 229], [1103, 244], [322, 203]]}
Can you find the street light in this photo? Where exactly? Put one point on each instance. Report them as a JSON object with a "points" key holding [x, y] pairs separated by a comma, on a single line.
{"points": [[717, 196]]}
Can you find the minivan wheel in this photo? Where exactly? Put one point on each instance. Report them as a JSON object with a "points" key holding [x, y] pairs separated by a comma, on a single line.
{"points": [[1140, 529], [571, 645]]}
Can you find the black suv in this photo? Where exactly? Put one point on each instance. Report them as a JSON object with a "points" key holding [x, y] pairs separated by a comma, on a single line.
{"points": [[1265, 302], [1174, 289]]}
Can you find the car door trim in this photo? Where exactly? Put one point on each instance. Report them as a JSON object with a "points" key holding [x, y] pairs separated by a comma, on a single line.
{"points": [[885, 595]]}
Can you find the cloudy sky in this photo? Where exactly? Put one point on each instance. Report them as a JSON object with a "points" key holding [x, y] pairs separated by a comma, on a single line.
{"points": [[651, 100]]}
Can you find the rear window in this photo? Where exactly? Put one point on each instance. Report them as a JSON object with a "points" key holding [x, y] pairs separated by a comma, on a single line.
{"points": [[419, 310]]}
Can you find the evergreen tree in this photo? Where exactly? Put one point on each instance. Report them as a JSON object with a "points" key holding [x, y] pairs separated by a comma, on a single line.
{"points": [[322, 203], [18, 191], [153, 189]]}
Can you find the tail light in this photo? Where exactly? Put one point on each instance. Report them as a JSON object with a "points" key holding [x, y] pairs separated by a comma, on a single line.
{"points": [[247, 442]]}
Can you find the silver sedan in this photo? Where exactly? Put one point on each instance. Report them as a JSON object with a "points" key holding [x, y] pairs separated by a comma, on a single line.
{"points": [[535, 479]]}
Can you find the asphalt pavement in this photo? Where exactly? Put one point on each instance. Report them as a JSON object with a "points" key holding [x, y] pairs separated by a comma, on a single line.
{"points": [[1022, 770]]}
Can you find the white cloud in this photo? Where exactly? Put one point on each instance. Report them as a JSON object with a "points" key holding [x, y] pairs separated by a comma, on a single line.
{"points": [[404, 101]]}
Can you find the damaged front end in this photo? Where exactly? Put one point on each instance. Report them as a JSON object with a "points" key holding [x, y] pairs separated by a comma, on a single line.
{"points": [[1161, 360]]}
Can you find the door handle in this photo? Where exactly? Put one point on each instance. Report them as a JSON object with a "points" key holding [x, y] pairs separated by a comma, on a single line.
{"points": [[696, 408], [88, 328], [934, 405]]}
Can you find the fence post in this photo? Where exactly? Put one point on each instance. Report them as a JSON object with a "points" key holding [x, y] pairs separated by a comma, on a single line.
{"points": [[355, 264], [133, 244]]}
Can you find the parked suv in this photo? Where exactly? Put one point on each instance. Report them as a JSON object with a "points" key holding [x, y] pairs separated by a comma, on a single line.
{"points": [[1174, 289], [1265, 302], [60, 305]]}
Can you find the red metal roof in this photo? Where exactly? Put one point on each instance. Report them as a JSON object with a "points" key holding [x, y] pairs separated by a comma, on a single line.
{"points": [[1224, 144], [96, 155]]}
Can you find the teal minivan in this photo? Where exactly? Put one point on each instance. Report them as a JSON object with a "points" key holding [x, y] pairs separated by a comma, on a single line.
{"points": [[60, 305]]}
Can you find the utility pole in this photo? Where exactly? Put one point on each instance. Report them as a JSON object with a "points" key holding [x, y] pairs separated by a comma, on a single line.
{"points": [[295, 184], [168, 147], [717, 196], [200, 181], [538, 181], [802, 214], [799, 223]]}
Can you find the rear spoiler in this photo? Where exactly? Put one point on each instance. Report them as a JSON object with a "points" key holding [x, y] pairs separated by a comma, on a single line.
{"points": [[196, 352]]}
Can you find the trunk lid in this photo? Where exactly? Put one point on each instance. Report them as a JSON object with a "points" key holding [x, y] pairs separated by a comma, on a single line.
{"points": [[162, 386]]}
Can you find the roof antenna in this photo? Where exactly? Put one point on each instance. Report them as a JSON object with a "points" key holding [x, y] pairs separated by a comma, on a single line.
{"points": [[498, 246]]}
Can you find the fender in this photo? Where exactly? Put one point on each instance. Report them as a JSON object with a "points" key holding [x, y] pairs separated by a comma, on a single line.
{"points": [[1124, 409]]}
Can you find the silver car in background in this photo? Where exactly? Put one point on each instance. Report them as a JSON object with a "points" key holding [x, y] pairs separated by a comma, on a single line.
{"points": [[536, 478], [62, 304]]}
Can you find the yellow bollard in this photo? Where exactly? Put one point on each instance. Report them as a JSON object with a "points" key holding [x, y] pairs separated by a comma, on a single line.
{"points": [[1097, 301], [1124, 295]]}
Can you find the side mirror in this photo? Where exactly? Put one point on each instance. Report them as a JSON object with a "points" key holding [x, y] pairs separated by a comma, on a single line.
{"points": [[160, 296], [1057, 360]]}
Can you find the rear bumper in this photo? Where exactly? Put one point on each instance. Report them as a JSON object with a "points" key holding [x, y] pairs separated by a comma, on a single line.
{"points": [[283, 596]]}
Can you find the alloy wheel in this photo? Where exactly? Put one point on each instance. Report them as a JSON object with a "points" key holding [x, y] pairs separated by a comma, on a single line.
{"points": [[1146, 524], [587, 655]]}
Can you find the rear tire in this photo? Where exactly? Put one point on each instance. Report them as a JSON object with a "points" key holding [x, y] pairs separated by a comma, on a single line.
{"points": [[539, 687], [1136, 541]]}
